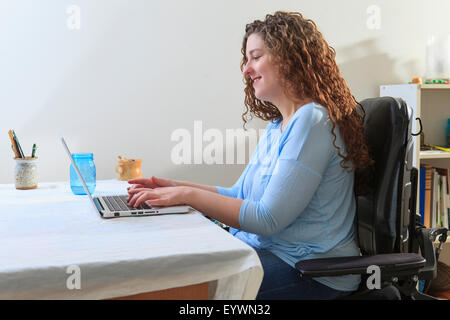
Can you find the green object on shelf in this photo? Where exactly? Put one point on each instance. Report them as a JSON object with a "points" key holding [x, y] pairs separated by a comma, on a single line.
{"points": [[436, 81]]}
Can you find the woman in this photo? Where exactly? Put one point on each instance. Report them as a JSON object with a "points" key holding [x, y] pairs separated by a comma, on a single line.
{"points": [[295, 199]]}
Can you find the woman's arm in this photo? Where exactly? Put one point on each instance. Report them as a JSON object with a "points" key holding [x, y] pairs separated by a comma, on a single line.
{"points": [[222, 208], [195, 185], [154, 182]]}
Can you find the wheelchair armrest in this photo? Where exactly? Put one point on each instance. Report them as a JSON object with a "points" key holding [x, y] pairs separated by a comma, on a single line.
{"points": [[393, 263], [427, 238]]}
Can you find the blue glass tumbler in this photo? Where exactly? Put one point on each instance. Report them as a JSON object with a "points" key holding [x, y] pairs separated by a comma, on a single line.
{"points": [[86, 165]]}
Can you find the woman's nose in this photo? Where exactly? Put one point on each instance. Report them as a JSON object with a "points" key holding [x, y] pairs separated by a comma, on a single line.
{"points": [[247, 70]]}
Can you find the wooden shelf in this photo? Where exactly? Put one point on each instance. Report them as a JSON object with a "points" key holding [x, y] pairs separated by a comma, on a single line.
{"points": [[430, 103], [434, 154], [435, 86]]}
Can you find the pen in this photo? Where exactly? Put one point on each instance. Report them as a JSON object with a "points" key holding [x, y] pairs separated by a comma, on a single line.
{"points": [[18, 145], [34, 150]]}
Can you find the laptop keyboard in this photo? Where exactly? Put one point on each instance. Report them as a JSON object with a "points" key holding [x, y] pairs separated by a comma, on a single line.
{"points": [[119, 203]]}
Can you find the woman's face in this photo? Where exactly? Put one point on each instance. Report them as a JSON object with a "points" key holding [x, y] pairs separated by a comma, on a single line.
{"points": [[261, 70]]}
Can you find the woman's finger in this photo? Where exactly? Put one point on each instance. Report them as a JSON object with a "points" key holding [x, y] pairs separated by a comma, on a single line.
{"points": [[142, 181], [137, 190], [138, 181], [133, 199], [134, 186], [142, 197], [132, 192]]}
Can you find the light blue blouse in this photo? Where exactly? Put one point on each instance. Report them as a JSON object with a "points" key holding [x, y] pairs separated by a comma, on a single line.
{"points": [[298, 201]]}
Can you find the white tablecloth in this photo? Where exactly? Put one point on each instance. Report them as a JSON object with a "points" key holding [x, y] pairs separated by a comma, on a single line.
{"points": [[45, 231]]}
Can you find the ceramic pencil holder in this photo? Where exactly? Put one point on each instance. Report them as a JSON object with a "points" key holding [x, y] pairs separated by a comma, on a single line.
{"points": [[25, 173]]}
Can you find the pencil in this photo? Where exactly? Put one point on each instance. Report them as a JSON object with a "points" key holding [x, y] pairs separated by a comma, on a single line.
{"points": [[13, 144]]}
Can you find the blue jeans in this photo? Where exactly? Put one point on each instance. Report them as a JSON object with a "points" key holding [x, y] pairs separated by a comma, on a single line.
{"points": [[283, 282]]}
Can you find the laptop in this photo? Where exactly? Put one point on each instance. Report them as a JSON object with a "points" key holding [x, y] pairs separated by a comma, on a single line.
{"points": [[113, 206]]}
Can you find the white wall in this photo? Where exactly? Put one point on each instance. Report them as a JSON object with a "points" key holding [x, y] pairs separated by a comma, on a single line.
{"points": [[138, 70]]}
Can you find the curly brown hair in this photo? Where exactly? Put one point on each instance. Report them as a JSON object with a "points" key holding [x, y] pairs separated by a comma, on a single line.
{"points": [[307, 69]]}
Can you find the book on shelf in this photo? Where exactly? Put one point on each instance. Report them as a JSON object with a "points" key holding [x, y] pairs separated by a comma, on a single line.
{"points": [[434, 198], [422, 194], [443, 198]]}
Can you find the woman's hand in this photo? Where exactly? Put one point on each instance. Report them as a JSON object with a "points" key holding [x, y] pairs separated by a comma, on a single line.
{"points": [[168, 196], [163, 192], [151, 183]]}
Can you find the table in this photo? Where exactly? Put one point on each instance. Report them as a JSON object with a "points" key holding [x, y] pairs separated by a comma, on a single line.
{"points": [[54, 246]]}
